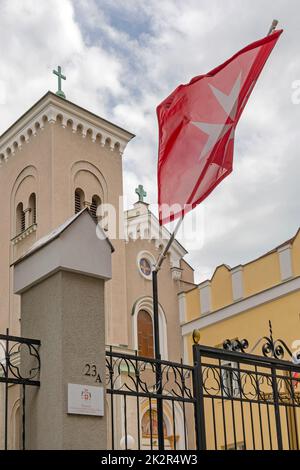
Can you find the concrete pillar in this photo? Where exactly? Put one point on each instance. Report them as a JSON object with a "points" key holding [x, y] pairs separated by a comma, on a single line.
{"points": [[62, 304]]}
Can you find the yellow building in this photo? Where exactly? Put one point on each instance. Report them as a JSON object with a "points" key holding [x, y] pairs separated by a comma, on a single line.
{"points": [[237, 303]]}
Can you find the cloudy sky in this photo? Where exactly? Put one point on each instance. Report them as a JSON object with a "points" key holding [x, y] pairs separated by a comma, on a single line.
{"points": [[122, 58]]}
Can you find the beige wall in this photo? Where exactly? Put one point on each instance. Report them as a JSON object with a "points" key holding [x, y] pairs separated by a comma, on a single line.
{"points": [[27, 171], [187, 275], [95, 168]]}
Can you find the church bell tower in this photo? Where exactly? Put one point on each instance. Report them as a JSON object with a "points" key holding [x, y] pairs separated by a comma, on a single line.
{"points": [[54, 160]]}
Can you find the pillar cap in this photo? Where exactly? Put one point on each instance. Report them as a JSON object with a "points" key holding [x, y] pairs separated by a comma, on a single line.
{"points": [[78, 245]]}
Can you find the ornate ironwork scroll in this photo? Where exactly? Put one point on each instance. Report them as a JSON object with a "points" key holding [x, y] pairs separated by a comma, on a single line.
{"points": [[270, 348], [19, 360], [137, 375]]}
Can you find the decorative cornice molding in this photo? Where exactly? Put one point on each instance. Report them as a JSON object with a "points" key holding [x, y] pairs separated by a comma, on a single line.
{"points": [[176, 273], [52, 110], [256, 300], [283, 248], [24, 234]]}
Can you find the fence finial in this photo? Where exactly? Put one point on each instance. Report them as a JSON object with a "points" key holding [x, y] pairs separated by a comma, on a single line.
{"points": [[196, 336], [271, 330]]}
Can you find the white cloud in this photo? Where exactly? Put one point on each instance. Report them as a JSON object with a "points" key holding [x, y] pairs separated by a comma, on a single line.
{"points": [[2, 92], [38, 36]]}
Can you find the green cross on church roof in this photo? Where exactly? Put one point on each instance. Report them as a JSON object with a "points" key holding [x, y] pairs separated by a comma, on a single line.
{"points": [[60, 78], [141, 192]]}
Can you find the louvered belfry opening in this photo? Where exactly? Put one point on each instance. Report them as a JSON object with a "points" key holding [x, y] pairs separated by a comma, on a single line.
{"points": [[145, 334], [79, 200], [96, 201], [23, 221], [32, 207], [20, 218]]}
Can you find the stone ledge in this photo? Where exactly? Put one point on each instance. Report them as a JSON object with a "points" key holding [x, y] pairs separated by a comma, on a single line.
{"points": [[24, 234]]}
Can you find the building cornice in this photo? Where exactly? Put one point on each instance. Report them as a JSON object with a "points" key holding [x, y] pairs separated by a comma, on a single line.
{"points": [[24, 234], [53, 109], [243, 305]]}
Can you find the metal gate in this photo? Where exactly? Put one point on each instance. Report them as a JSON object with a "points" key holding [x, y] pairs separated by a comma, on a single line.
{"points": [[246, 401], [228, 400], [19, 368], [133, 397]]}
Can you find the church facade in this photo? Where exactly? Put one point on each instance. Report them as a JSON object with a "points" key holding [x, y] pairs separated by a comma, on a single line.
{"points": [[55, 160]]}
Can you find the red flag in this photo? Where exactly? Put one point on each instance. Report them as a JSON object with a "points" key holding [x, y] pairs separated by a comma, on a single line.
{"points": [[196, 129]]}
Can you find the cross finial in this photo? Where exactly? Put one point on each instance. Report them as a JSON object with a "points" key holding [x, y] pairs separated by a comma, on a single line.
{"points": [[60, 78], [141, 192]]}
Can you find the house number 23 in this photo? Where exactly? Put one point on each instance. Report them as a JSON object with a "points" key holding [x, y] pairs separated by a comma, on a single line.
{"points": [[90, 370]]}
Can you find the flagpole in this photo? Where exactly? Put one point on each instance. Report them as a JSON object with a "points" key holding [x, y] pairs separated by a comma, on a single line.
{"points": [[162, 256], [155, 270], [158, 371], [273, 27]]}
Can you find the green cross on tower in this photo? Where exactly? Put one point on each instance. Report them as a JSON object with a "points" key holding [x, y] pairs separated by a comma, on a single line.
{"points": [[141, 192], [60, 77]]}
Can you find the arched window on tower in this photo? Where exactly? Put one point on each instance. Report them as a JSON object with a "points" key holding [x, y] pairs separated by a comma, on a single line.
{"points": [[79, 200], [32, 207], [20, 219], [145, 334], [96, 201]]}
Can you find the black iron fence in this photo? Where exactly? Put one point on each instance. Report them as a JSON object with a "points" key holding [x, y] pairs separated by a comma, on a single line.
{"points": [[133, 394], [246, 401], [228, 399], [19, 368]]}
